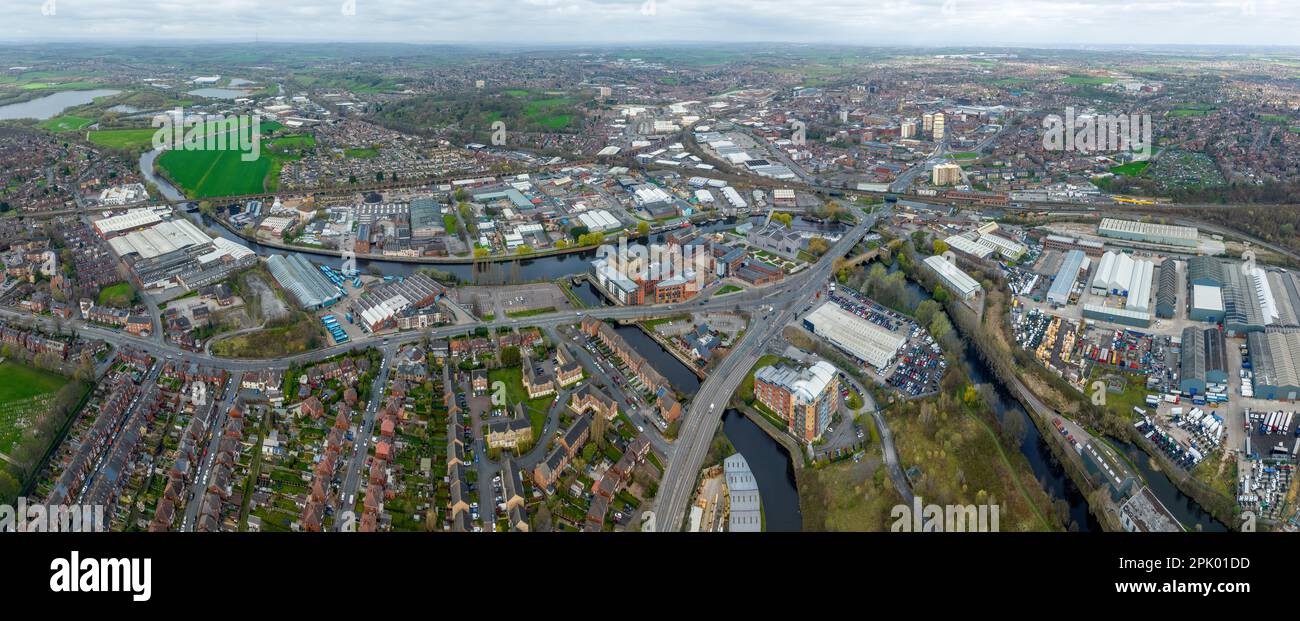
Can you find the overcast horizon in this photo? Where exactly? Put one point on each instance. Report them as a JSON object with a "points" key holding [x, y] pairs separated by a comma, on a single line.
{"points": [[923, 23]]}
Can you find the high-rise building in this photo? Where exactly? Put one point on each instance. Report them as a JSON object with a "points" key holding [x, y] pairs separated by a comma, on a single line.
{"points": [[805, 398], [946, 174], [938, 126], [927, 122], [907, 129]]}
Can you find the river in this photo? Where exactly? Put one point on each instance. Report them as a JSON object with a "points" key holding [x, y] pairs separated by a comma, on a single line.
{"points": [[51, 105]]}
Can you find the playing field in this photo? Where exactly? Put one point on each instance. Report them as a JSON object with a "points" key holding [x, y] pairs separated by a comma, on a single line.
{"points": [[66, 123], [25, 393], [123, 138]]}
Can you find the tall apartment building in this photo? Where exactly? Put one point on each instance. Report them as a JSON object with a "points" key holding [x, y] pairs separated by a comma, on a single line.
{"points": [[805, 398], [946, 174], [938, 126]]}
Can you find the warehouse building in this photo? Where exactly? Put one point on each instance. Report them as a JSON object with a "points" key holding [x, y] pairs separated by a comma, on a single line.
{"points": [[379, 309], [1167, 292], [1121, 316], [426, 219], [1166, 234], [1205, 271], [1275, 360], [970, 247], [957, 281], [1202, 360], [308, 286], [1075, 261], [864, 340], [1008, 248], [1207, 304], [1247, 301], [1120, 274], [124, 223]]}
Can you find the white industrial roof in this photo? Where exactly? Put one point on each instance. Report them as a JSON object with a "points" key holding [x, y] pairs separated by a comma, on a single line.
{"points": [[132, 219], [955, 278], [160, 239], [971, 247], [868, 341], [1206, 297]]}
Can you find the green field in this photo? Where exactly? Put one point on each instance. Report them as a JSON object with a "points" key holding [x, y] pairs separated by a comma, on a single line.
{"points": [[965, 155], [1087, 80], [1131, 169], [1275, 118], [119, 295], [24, 392], [205, 174], [362, 153], [66, 123], [124, 138]]}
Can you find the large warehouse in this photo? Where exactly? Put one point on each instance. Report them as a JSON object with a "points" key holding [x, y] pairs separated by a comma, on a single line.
{"points": [[1120, 274], [866, 341], [1167, 292], [1275, 359], [955, 280], [1150, 233], [965, 245], [303, 281], [379, 308], [1074, 262], [1203, 360]]}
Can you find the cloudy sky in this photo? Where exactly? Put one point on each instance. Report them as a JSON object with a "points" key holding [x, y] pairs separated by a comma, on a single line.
{"points": [[870, 22]]}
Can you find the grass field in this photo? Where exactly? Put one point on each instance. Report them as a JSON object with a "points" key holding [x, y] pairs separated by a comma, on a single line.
{"points": [[66, 123], [118, 295], [531, 312], [205, 174], [537, 408], [124, 138], [728, 289], [24, 392], [1087, 80], [1131, 169], [362, 153], [965, 155]]}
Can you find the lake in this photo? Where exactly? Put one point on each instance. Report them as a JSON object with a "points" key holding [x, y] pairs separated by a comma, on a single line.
{"points": [[51, 105]]}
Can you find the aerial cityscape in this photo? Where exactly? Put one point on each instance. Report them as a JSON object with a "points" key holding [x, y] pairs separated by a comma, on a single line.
{"points": [[724, 281]]}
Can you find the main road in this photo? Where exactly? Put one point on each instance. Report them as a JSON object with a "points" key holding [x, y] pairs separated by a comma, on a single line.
{"points": [[701, 419]]}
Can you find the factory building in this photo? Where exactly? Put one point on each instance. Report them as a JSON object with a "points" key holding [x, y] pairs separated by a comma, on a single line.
{"points": [[1205, 271], [1122, 316], [973, 248], [426, 219], [1120, 274], [1008, 248], [1275, 360], [304, 282], [1075, 261], [957, 281], [864, 340], [1066, 244], [1166, 234], [1247, 300], [1203, 360], [379, 309], [1207, 304], [1167, 291]]}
